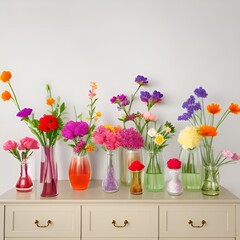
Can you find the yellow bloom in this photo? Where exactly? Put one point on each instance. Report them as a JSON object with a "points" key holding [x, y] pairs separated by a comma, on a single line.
{"points": [[159, 139], [95, 118], [189, 138], [98, 114], [111, 128], [87, 119]]}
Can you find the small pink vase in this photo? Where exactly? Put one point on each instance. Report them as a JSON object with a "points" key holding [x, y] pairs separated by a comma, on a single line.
{"points": [[24, 183]]}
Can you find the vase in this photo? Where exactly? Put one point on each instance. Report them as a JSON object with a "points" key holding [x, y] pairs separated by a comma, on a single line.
{"points": [[49, 173], [191, 169], [210, 184], [136, 182], [79, 171], [174, 185], [127, 156], [110, 182], [154, 175], [24, 183]]}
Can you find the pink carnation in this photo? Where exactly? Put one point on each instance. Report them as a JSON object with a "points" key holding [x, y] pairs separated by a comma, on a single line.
{"points": [[10, 145], [227, 154], [149, 116], [236, 157], [28, 143], [131, 139]]}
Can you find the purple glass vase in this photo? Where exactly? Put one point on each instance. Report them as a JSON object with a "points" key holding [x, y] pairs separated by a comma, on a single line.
{"points": [[48, 172]]}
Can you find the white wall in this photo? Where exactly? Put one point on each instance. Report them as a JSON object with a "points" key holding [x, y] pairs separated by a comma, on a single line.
{"points": [[178, 44]]}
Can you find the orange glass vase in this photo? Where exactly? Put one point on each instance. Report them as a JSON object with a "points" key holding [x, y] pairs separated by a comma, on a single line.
{"points": [[79, 171]]}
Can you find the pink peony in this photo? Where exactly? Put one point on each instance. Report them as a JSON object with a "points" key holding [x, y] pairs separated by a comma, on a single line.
{"points": [[10, 145], [149, 116], [28, 143]]}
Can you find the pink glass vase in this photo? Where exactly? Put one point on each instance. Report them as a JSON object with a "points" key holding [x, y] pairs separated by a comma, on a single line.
{"points": [[24, 183], [48, 172]]}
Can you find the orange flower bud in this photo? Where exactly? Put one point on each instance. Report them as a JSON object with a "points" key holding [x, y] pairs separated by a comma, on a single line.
{"points": [[6, 95], [50, 101], [89, 148], [234, 108], [5, 76]]}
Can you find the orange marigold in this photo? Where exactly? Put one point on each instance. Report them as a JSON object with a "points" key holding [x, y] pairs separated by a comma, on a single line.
{"points": [[6, 95], [50, 101], [5, 76], [234, 108], [89, 148], [213, 108], [207, 131]]}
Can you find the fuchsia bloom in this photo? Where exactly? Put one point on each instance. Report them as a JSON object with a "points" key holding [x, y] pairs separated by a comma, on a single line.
{"points": [[28, 143], [10, 145]]}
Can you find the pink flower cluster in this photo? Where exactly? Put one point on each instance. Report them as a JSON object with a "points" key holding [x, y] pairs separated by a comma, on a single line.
{"points": [[131, 138], [230, 155], [25, 145], [108, 136]]}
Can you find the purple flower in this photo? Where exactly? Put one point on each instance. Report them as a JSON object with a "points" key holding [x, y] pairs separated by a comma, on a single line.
{"points": [[123, 100], [156, 96], [141, 80], [81, 129], [113, 99], [131, 117], [24, 112], [189, 101], [68, 130], [200, 92], [184, 117], [145, 96]]}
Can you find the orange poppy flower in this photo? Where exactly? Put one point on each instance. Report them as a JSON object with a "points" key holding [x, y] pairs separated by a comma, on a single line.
{"points": [[89, 148], [234, 108], [5, 76], [213, 108], [6, 95], [207, 131], [50, 101]]}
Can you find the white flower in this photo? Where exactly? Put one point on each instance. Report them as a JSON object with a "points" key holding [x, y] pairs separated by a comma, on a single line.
{"points": [[152, 132]]}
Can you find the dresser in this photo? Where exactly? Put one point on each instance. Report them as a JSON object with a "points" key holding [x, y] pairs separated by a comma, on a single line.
{"points": [[95, 215]]}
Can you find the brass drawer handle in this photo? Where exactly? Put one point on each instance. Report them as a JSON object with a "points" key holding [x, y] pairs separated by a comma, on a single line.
{"points": [[114, 224], [44, 226], [197, 226]]}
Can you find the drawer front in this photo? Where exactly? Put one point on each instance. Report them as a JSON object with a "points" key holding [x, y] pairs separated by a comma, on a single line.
{"points": [[197, 238], [238, 222], [42, 238], [219, 220], [98, 221], [1, 222], [21, 221]]}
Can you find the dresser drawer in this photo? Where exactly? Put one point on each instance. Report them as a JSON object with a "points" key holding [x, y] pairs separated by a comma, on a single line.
{"points": [[238, 221], [1, 222], [197, 221], [32, 221], [141, 221]]}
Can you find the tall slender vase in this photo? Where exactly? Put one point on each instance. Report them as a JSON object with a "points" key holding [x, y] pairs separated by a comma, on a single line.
{"points": [[24, 183], [79, 171], [127, 156], [191, 169], [154, 175], [49, 173], [110, 181]]}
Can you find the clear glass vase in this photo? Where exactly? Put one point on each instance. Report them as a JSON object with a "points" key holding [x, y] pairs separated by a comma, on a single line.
{"points": [[210, 183], [127, 156], [24, 183], [174, 185], [154, 175], [48, 172], [136, 182], [79, 171], [110, 182], [191, 169]]}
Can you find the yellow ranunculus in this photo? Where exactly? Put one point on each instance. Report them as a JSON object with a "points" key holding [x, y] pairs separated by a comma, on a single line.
{"points": [[189, 138]]}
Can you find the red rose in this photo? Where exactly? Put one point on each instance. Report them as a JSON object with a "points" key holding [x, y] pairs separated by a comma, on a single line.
{"points": [[48, 123], [136, 166], [174, 163]]}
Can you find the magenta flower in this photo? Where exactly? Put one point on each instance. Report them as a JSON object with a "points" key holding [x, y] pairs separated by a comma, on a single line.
{"points": [[80, 145], [25, 112], [236, 157], [131, 139], [28, 143]]}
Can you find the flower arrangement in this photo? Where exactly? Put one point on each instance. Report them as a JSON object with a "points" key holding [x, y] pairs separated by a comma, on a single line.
{"points": [[203, 120], [47, 129], [22, 150], [143, 121], [80, 132], [136, 166], [174, 163]]}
